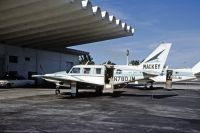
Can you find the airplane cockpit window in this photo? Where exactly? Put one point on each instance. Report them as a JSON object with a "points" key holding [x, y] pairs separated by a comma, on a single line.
{"points": [[119, 71], [86, 70], [75, 70], [98, 70]]}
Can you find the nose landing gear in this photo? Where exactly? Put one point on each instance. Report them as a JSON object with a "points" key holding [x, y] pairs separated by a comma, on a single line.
{"points": [[151, 86], [57, 91]]}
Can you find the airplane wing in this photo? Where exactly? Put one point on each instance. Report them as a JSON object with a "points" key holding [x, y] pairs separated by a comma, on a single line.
{"points": [[57, 77], [62, 78]]}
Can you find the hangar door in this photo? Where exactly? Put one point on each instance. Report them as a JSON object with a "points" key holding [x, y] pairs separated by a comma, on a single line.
{"points": [[2, 65]]}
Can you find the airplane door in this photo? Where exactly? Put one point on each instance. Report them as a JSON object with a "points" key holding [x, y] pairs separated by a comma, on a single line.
{"points": [[169, 79], [2, 65], [108, 79], [108, 75]]}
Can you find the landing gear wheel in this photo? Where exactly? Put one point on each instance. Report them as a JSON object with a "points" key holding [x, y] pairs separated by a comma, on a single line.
{"points": [[99, 91], [145, 86], [57, 91], [151, 87], [73, 95], [8, 86]]}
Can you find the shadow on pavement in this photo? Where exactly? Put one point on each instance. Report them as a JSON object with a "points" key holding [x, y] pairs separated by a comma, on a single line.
{"points": [[139, 87], [67, 95]]}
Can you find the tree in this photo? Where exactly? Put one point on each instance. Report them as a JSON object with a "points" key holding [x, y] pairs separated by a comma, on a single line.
{"points": [[134, 62], [109, 63], [86, 59]]}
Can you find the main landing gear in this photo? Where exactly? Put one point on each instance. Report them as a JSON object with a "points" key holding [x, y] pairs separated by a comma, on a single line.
{"points": [[99, 90], [150, 87], [74, 90]]}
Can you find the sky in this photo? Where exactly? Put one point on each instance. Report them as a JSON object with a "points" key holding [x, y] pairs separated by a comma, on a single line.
{"points": [[154, 21]]}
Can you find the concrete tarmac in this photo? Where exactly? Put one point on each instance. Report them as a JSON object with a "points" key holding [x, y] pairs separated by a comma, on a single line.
{"points": [[128, 110]]}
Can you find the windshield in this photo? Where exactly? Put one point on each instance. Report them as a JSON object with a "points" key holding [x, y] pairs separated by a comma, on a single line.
{"points": [[75, 70]]}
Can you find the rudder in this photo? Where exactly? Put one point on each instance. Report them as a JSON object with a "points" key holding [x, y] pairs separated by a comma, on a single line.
{"points": [[196, 68], [157, 59]]}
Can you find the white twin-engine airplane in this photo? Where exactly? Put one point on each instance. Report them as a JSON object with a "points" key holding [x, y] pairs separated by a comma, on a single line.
{"points": [[104, 78], [178, 75]]}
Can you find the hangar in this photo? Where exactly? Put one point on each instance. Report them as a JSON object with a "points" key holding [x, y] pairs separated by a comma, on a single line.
{"points": [[35, 34]]}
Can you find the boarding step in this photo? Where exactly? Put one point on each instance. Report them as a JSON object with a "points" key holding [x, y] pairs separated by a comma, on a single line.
{"points": [[108, 88]]}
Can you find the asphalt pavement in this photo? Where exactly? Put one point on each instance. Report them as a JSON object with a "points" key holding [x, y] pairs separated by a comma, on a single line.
{"points": [[128, 110]]}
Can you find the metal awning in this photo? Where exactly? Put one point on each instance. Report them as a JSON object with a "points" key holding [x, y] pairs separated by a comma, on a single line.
{"points": [[45, 24]]}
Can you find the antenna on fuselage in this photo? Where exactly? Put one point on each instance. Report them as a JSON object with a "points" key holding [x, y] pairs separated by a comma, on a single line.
{"points": [[127, 55]]}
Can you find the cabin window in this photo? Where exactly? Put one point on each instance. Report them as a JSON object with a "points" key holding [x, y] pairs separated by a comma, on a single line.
{"points": [[98, 70], [119, 71], [75, 70], [86, 70]]}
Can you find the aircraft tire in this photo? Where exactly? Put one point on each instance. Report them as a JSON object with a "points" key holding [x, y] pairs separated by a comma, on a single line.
{"points": [[8, 86], [151, 87], [145, 87], [57, 92], [73, 95], [99, 91]]}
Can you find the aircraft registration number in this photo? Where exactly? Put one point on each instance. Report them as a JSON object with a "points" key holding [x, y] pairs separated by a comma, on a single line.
{"points": [[124, 78]]}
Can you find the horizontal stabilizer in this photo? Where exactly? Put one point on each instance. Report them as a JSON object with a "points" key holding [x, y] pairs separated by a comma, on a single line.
{"points": [[151, 73]]}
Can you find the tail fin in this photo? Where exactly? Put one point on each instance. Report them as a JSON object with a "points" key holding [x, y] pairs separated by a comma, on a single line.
{"points": [[157, 59], [196, 68]]}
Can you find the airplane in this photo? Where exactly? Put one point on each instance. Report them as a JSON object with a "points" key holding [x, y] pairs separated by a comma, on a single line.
{"points": [[177, 75], [105, 78], [184, 74]]}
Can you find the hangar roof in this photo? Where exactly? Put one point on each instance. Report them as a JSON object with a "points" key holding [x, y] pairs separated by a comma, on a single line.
{"points": [[45, 24], [68, 51]]}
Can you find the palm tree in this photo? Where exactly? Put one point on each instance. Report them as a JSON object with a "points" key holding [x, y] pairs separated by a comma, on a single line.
{"points": [[86, 59], [109, 63], [134, 62]]}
